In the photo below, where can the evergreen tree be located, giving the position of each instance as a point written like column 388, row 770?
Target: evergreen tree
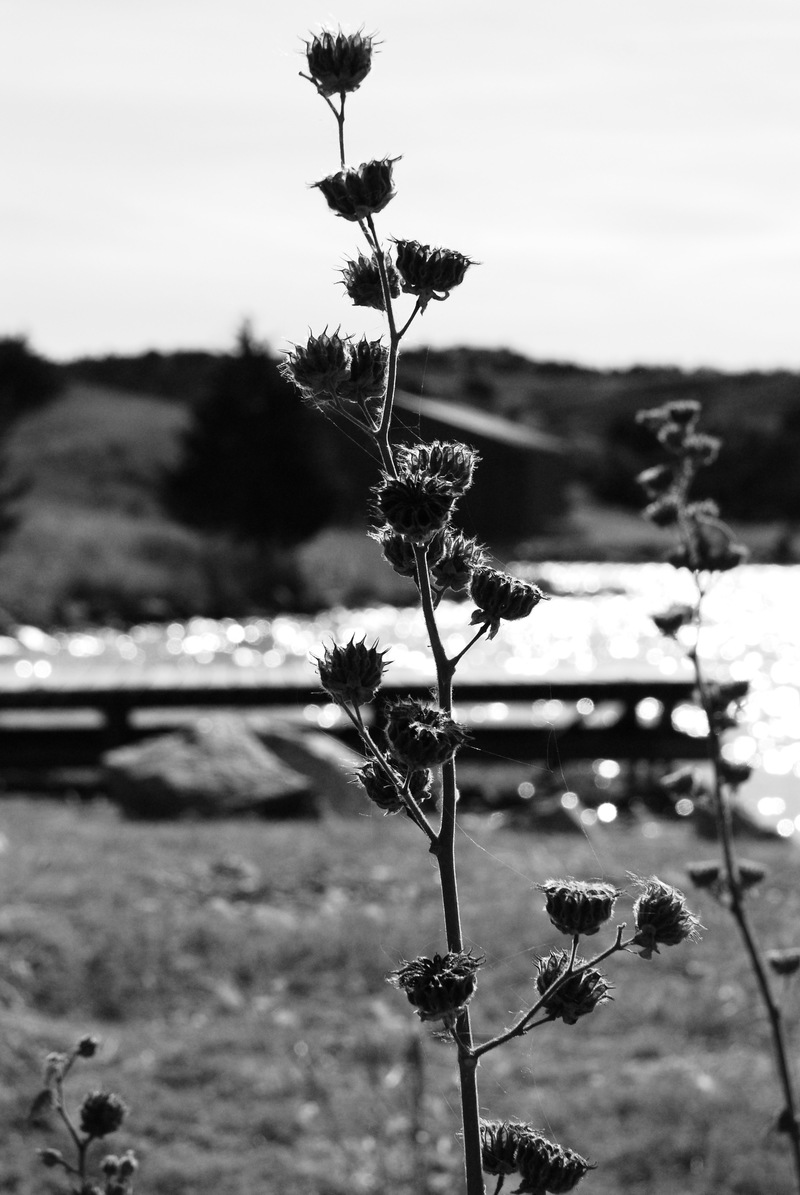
column 250, row 465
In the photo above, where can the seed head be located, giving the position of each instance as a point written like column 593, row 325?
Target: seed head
column 366, row 379
column 320, row 369
column 128, row 1164
column 681, row 783
column 578, row 906
column 362, row 281
column 398, row 551
column 711, row 550
column 101, row 1113
column 701, row 449
column 684, row 412
column 339, row 62
column 439, row 988
column 498, row 595
column 499, row 1142
column 661, row 917
column 352, row 673
column 110, row 1165
column 429, row 273
column 734, row 774
column 460, row 557
column 450, row 462
column 578, row 995
column 705, row 874
column 546, row 1166
column 415, row 507
column 663, row 512
column 384, row 791
column 420, row 736
column 359, row 191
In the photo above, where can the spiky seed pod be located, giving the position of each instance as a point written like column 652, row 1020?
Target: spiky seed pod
column 499, row 1141
column 369, row 361
column 362, row 281
column 352, row 673
column 384, row 791
column 661, row 917
column 460, row 557
column 398, row 551
column 439, row 988
column 704, row 874
column 429, row 273
column 670, row 621
column 684, row 411
column 657, row 480
column 701, row 449
column 498, row 595
column 784, row 962
column 339, row 62
column 446, row 460
column 420, row 736
column 101, row 1113
column 578, row 995
column 663, row 512
column 359, row 191
column 414, row 507
column 320, row 368
column 578, row 906
column 546, row 1166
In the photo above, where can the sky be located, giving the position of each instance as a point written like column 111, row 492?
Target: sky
column 626, row 172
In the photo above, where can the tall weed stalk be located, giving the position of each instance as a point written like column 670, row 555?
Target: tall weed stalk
column 410, row 764
column 706, row 546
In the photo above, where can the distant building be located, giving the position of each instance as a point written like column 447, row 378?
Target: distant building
column 521, row 482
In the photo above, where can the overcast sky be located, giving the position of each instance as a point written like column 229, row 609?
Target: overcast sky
column 626, row 171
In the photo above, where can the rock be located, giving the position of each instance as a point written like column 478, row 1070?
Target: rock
column 215, row 767
column 327, row 764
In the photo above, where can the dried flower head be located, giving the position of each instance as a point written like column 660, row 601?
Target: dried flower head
column 578, row 994
column 461, row 555
column 339, row 62
column 51, row 1158
column 439, row 988
column 359, row 191
column 414, row 506
column 546, row 1166
column 429, row 273
column 320, row 368
column 448, row 461
column 661, row 917
column 352, row 673
column 362, row 281
column 101, row 1113
column 366, row 380
column 87, row 1046
column 663, row 512
column 578, row 906
column 420, row 736
column 711, row 550
column 701, row 449
column 498, row 595
column 398, row 551
column 684, row 411
column 385, row 790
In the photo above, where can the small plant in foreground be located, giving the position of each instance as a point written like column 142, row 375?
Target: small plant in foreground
column 706, row 546
column 416, row 493
column 99, row 1115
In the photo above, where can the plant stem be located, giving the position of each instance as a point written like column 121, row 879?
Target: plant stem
column 724, row 823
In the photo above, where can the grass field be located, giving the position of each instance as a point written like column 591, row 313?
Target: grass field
column 235, row 972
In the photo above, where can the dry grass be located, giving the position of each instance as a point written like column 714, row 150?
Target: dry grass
column 247, row 1022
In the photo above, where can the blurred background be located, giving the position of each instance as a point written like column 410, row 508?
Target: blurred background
column 627, row 177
